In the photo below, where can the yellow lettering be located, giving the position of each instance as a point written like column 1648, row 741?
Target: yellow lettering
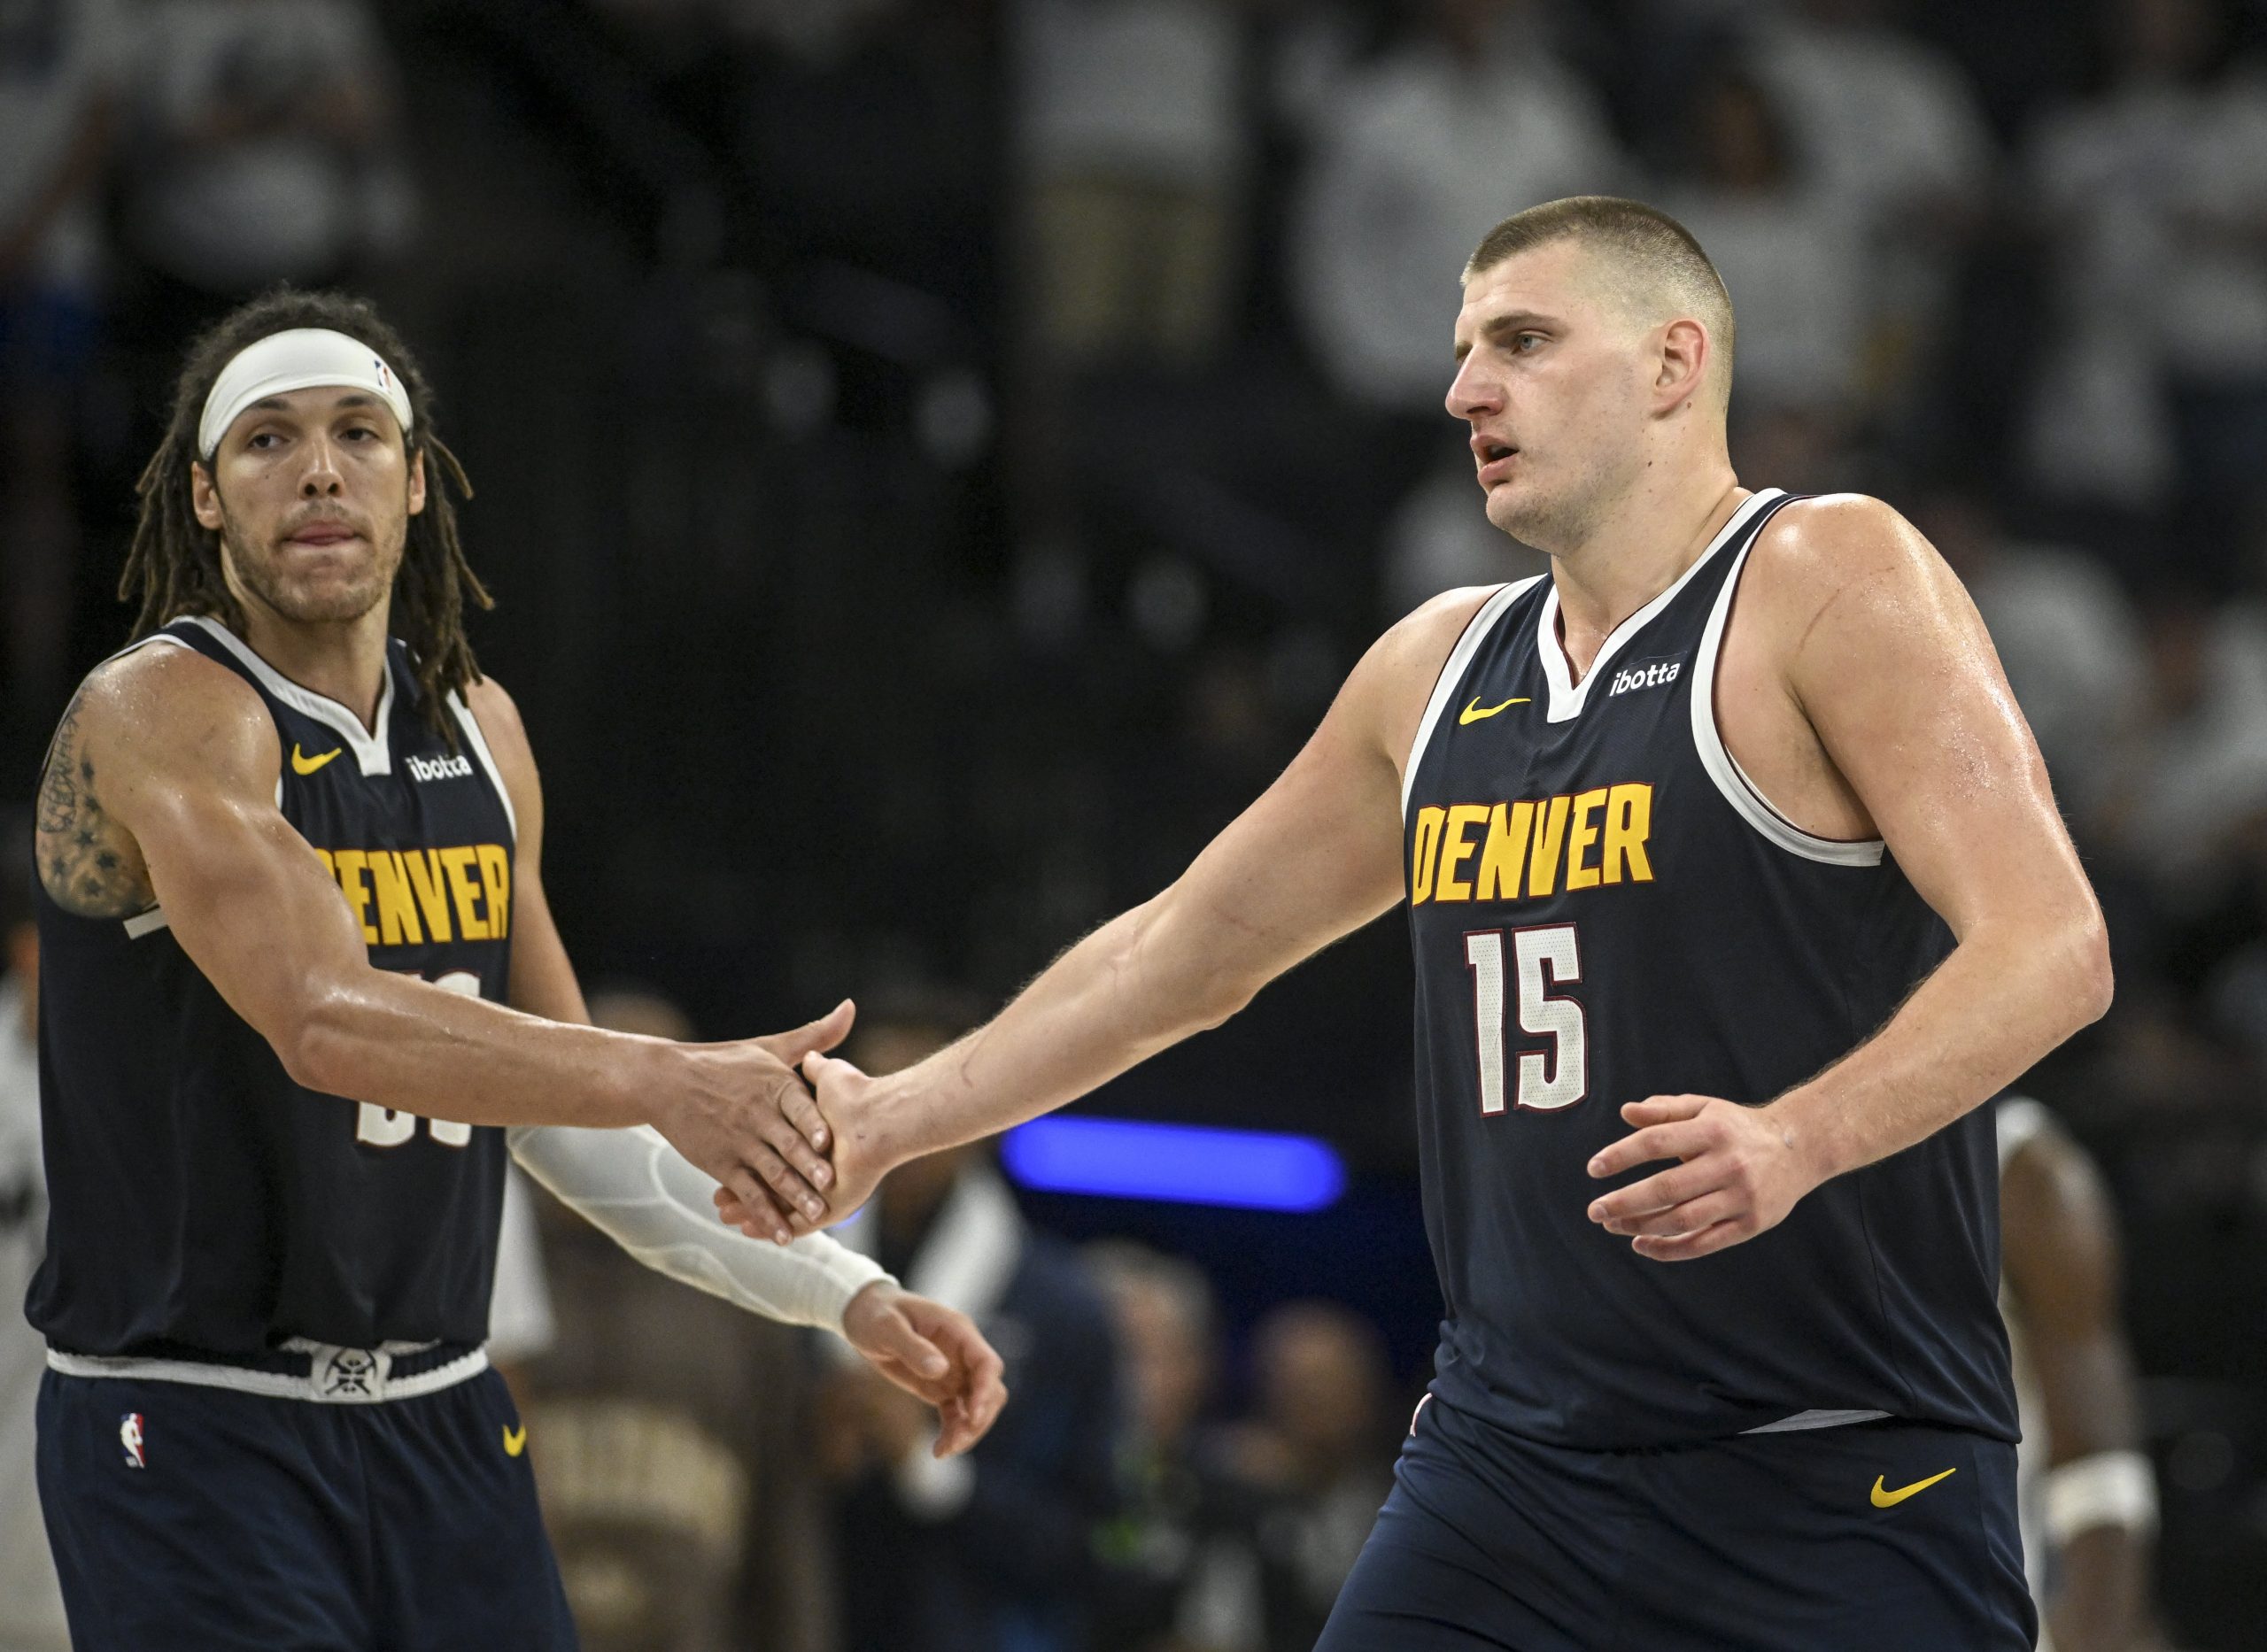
column 1504, row 857
column 1582, row 835
column 351, row 864
column 1456, row 849
column 495, row 879
column 1629, row 822
column 425, row 869
column 1542, row 858
column 456, row 863
column 1421, row 863
column 396, row 907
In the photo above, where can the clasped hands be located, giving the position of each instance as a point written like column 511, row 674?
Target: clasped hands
column 783, row 1172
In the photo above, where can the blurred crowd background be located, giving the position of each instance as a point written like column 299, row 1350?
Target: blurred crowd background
column 935, row 460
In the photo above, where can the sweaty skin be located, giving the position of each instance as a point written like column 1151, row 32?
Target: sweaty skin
column 1857, row 687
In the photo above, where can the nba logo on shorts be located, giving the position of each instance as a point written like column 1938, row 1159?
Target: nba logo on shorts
column 130, row 1435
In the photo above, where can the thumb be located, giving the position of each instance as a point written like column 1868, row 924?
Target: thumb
column 823, row 1034
column 894, row 1337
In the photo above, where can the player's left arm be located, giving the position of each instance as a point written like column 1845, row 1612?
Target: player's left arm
column 639, row 1192
column 1883, row 655
column 2058, row 1243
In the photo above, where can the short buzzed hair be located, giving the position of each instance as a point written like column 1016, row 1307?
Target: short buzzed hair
column 1651, row 255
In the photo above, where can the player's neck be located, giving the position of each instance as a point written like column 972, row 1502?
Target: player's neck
column 340, row 660
column 1634, row 552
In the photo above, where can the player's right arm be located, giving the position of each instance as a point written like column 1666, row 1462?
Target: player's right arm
column 2059, row 1242
column 161, row 786
column 1317, row 856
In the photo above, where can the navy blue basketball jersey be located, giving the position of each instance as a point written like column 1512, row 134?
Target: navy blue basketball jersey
column 200, row 1202
column 1604, row 908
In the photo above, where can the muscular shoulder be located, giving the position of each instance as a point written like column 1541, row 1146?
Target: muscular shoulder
column 500, row 725
column 150, row 723
column 1844, row 577
column 498, row 715
column 1396, row 676
column 1818, row 550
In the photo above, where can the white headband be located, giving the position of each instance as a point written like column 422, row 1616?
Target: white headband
column 298, row 360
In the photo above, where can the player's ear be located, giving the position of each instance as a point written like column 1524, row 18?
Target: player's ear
column 1681, row 363
column 416, row 481
column 204, row 496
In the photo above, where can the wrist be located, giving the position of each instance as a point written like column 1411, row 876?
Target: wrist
column 649, row 1084
column 1798, row 1119
column 862, row 1304
column 889, row 1128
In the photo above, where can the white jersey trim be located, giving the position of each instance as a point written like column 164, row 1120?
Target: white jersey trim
column 1567, row 697
column 1802, row 1421
column 1746, row 797
column 147, row 922
column 479, row 743
column 374, row 753
column 366, row 1380
column 1476, row 632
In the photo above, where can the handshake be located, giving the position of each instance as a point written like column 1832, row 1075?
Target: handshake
column 791, row 1157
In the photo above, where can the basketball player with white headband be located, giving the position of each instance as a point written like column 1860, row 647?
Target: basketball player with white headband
column 302, row 992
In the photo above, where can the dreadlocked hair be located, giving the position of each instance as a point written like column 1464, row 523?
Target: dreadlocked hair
column 173, row 567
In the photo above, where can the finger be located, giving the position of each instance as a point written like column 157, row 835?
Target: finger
column 1662, row 1109
column 984, row 1408
column 800, row 1107
column 791, row 1195
column 1689, row 1217
column 952, row 1429
column 761, row 1218
column 1659, row 1190
column 823, row 1034
column 1716, row 1237
column 1686, row 1138
column 790, row 1137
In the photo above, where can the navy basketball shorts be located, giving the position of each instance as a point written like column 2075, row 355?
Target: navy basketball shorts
column 203, row 1519
column 1874, row 1537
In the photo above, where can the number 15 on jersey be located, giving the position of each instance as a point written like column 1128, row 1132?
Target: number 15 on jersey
column 1541, row 958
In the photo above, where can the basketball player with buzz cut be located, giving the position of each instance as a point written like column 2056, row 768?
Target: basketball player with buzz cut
column 1735, row 886
column 301, row 993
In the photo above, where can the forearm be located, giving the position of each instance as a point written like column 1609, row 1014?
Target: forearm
column 2101, row 1604
column 637, row 1190
column 1989, row 1012
column 1124, row 992
column 407, row 1045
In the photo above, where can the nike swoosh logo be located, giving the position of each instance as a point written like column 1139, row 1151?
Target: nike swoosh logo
column 514, row 1441
column 1890, row 1500
column 1474, row 712
column 302, row 764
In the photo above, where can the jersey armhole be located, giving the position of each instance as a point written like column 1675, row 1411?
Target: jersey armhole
column 479, row 741
column 1746, row 797
column 1452, row 670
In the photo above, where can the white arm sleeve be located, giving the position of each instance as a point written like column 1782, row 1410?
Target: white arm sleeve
column 637, row 1190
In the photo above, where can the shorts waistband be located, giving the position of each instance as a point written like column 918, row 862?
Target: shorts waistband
column 322, row 1372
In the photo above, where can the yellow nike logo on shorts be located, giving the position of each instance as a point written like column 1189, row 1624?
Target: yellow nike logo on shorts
column 302, row 764
column 516, row 1440
column 1473, row 713
column 1890, row 1500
